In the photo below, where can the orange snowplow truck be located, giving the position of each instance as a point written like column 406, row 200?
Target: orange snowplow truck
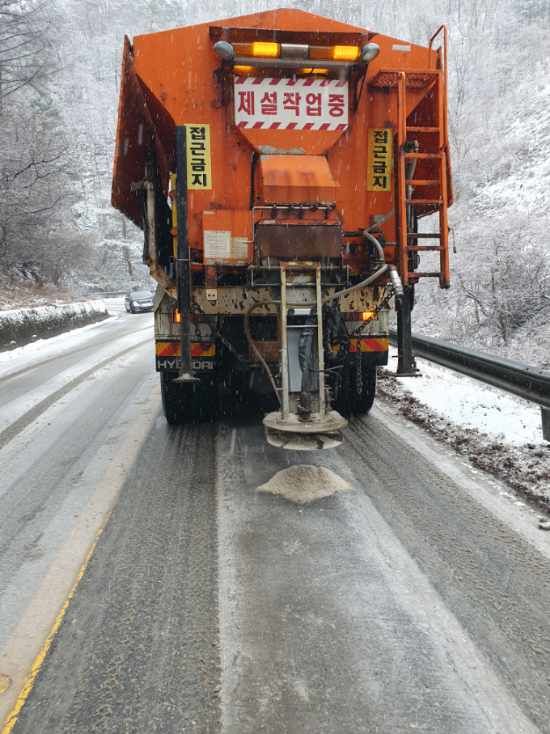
column 279, row 164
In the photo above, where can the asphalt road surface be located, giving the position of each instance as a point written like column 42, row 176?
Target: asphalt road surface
column 417, row 601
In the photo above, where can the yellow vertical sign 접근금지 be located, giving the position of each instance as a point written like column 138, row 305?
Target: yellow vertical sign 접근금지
column 380, row 158
column 199, row 161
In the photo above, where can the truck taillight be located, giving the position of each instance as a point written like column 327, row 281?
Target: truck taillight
column 368, row 315
column 365, row 316
column 323, row 72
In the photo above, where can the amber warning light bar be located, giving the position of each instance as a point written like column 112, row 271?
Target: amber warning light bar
column 293, row 55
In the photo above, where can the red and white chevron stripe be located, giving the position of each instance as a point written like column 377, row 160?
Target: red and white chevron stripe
column 291, row 126
column 272, row 82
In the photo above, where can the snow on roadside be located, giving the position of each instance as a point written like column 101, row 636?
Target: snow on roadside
column 44, row 313
column 457, row 414
column 40, row 349
column 20, row 326
column 472, row 404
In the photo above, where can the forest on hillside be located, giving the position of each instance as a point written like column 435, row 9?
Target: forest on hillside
column 59, row 77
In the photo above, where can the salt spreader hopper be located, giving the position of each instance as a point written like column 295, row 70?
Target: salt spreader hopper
column 279, row 165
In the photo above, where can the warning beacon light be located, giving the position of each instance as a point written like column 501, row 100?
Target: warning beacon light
column 291, row 54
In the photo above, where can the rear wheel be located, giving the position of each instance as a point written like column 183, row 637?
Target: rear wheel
column 356, row 388
column 174, row 403
column 187, row 402
column 364, row 389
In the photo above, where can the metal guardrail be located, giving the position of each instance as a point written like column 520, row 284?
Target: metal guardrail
column 529, row 383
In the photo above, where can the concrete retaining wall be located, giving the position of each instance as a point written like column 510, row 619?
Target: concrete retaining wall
column 23, row 325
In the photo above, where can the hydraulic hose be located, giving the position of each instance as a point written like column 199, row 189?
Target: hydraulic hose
column 372, row 239
column 394, row 275
column 362, row 284
column 396, row 283
column 255, row 349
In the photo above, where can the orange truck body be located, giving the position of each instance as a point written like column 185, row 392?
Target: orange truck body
column 287, row 162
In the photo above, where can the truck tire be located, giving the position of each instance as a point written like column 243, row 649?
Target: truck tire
column 174, row 403
column 354, row 396
column 362, row 401
column 341, row 401
column 181, row 403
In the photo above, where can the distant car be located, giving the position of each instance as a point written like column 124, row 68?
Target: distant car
column 137, row 301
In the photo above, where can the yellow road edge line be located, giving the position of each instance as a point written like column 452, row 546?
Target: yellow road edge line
column 30, row 679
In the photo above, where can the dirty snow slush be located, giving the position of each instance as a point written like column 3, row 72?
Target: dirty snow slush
column 524, row 468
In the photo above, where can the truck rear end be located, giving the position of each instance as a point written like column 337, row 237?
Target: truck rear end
column 279, row 164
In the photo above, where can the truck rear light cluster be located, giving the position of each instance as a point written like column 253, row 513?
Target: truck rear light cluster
column 368, row 315
column 310, row 70
column 360, row 315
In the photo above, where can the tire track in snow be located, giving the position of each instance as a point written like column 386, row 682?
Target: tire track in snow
column 24, row 420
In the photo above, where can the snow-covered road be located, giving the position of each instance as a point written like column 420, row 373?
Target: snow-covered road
column 36, row 375
column 156, row 589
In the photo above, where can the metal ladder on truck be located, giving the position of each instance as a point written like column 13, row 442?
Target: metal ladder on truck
column 303, row 420
column 437, row 155
column 433, row 158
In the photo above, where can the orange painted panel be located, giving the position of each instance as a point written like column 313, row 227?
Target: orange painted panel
column 295, row 179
